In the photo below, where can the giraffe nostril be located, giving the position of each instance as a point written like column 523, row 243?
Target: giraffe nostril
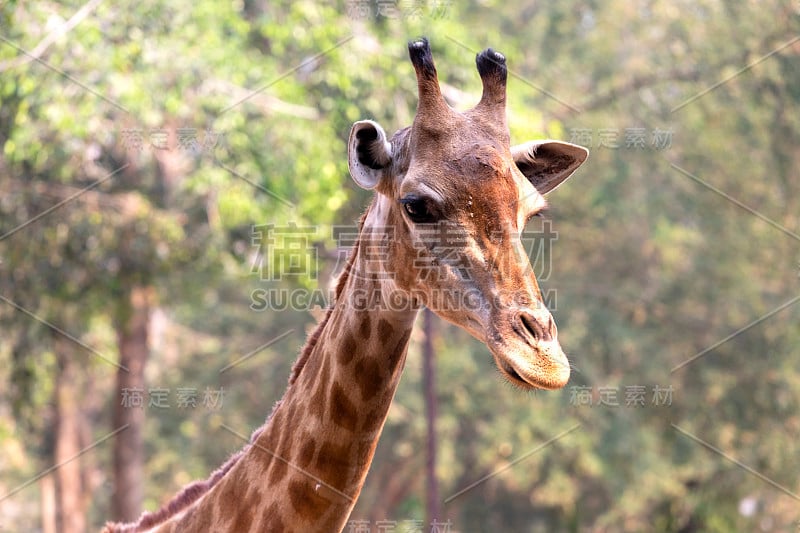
column 551, row 327
column 535, row 329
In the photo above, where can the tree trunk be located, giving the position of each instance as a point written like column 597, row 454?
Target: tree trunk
column 433, row 509
column 396, row 481
column 70, row 510
column 47, row 490
column 132, row 324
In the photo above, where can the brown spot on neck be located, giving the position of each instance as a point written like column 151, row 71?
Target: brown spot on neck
column 385, row 329
column 347, row 350
column 368, row 378
column 307, row 450
column 308, row 503
column 399, row 351
column 343, row 411
column 365, row 329
column 271, row 520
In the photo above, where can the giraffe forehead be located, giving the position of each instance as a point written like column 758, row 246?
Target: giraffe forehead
column 480, row 168
column 481, row 183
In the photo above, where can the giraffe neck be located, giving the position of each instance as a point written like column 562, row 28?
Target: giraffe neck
column 305, row 468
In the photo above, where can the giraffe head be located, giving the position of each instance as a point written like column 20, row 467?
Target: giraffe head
column 452, row 198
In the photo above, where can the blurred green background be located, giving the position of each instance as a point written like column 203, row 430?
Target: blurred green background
column 142, row 144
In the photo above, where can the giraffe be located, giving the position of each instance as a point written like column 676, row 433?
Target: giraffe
column 451, row 197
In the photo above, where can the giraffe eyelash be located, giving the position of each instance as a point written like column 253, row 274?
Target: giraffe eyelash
column 541, row 213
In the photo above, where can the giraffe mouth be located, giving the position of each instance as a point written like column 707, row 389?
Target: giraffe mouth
column 546, row 369
column 513, row 374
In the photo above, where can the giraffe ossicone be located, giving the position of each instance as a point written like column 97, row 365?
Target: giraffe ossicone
column 452, row 197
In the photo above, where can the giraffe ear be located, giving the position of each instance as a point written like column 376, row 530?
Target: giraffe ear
column 369, row 153
column 547, row 164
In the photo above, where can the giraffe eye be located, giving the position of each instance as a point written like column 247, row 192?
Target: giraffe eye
column 541, row 213
column 417, row 210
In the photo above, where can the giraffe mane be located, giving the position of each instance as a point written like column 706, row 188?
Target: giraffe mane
column 311, row 342
column 195, row 490
column 187, row 496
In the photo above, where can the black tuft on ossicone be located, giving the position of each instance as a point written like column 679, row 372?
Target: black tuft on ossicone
column 491, row 63
column 421, row 56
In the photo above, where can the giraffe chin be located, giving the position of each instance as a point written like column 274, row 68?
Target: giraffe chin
column 546, row 368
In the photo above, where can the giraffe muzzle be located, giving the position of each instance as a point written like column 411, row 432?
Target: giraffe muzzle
column 530, row 356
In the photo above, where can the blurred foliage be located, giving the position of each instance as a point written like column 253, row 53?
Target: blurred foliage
column 243, row 111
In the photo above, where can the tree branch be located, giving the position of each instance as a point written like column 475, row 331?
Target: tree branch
column 51, row 37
